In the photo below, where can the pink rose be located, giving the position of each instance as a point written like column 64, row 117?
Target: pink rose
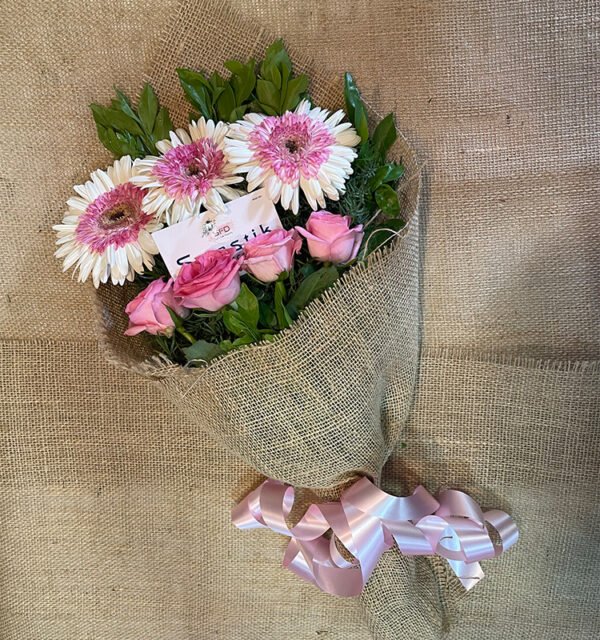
column 330, row 238
column 271, row 253
column 148, row 310
column 210, row 282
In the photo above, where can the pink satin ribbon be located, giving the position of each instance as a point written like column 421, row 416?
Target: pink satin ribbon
column 367, row 521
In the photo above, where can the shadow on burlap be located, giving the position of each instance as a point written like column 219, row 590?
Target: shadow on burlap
column 115, row 508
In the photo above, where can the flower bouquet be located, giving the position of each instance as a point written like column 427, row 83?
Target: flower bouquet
column 244, row 272
column 260, row 264
column 282, row 312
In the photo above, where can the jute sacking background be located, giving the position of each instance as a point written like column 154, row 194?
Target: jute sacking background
column 115, row 508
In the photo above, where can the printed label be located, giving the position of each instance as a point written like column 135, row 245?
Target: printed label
column 245, row 218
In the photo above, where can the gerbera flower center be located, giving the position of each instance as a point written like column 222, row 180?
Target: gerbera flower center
column 190, row 170
column 114, row 218
column 293, row 145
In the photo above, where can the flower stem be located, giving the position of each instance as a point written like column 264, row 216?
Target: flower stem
column 186, row 335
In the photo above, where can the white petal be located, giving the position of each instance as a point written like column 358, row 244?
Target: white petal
column 146, row 242
column 163, row 146
column 77, row 203
column 256, row 118
column 348, row 138
column 303, row 106
column 228, row 193
column 335, row 118
column 85, row 268
column 274, row 185
column 286, row 195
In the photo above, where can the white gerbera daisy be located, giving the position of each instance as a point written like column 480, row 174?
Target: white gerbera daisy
column 193, row 171
column 307, row 150
column 105, row 232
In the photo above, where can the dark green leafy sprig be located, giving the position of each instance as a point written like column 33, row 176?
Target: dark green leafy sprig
column 217, row 98
column 371, row 187
column 277, row 89
column 273, row 90
column 125, row 130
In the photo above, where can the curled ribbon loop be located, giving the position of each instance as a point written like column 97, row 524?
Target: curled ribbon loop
column 367, row 522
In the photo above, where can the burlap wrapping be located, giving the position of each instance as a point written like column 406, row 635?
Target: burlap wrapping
column 114, row 508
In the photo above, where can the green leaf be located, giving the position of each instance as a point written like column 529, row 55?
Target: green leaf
column 202, row 350
column 119, row 120
column 243, row 79
column 283, row 317
column 216, row 80
column 238, row 113
column 295, row 90
column 148, row 108
column 108, row 140
column 307, row 269
column 124, row 105
column 384, row 135
column 197, row 90
column 355, row 108
column 226, row 103
column 312, row 287
column 177, row 321
column 387, row 201
column 276, row 64
column 100, row 115
column 379, row 236
column 268, row 94
column 266, row 316
column 228, row 345
column 277, row 89
column 215, row 95
column 386, row 173
column 247, row 306
column 234, row 323
column 162, row 125
column 120, row 127
column 120, row 144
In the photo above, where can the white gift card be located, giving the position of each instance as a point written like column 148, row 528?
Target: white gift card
column 244, row 218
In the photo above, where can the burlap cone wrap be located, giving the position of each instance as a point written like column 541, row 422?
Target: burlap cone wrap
column 324, row 403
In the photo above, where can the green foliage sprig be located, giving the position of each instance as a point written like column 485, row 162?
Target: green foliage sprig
column 371, row 189
column 126, row 130
column 272, row 89
column 217, row 98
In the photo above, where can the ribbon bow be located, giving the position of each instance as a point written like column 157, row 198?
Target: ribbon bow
column 367, row 522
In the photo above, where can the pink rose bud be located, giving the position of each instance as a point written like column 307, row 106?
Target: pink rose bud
column 148, row 310
column 271, row 253
column 210, row 282
column 330, row 238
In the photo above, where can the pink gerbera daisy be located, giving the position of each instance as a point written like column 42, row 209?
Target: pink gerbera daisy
column 193, row 171
column 307, row 150
column 105, row 233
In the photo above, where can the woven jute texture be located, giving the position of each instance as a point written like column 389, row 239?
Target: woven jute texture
column 114, row 506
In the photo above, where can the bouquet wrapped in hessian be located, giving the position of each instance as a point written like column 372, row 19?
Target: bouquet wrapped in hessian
column 260, row 263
